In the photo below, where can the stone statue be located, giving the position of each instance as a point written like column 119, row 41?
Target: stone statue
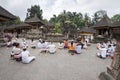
column 113, row 71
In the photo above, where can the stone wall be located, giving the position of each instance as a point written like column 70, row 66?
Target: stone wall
column 54, row 38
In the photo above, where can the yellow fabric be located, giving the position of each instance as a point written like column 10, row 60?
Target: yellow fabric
column 71, row 47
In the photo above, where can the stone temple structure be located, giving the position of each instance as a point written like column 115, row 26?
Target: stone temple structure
column 113, row 70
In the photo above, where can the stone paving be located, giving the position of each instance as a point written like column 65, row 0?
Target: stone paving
column 59, row 66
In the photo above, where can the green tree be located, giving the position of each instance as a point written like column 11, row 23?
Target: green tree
column 116, row 17
column 98, row 16
column 10, row 22
column 87, row 20
column 34, row 10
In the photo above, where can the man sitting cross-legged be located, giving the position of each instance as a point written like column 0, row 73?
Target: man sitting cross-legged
column 26, row 58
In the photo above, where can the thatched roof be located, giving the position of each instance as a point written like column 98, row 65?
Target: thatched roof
column 48, row 24
column 34, row 20
column 115, row 24
column 5, row 15
column 17, row 26
column 87, row 29
column 103, row 23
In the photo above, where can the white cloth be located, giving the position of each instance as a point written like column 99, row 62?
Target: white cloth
column 26, row 57
column 39, row 45
column 52, row 48
column 60, row 45
column 16, row 51
column 78, row 48
column 32, row 44
column 24, row 44
column 103, row 52
column 85, row 45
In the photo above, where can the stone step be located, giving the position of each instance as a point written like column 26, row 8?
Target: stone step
column 105, row 76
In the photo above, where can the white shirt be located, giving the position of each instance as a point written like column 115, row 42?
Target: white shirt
column 78, row 48
column 103, row 52
column 51, row 48
column 25, row 56
column 16, row 51
column 109, row 50
column 85, row 45
column 32, row 44
column 39, row 45
column 24, row 44
column 60, row 45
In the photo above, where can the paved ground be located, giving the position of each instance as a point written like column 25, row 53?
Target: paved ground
column 59, row 66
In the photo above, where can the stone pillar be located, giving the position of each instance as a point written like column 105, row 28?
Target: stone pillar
column 113, row 70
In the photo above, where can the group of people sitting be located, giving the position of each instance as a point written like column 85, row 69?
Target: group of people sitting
column 45, row 46
column 106, row 49
column 75, row 48
column 20, row 52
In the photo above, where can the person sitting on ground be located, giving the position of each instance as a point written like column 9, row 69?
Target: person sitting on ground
column 9, row 44
column 46, row 43
column 60, row 45
column 14, row 40
column 44, row 47
column 39, row 44
column 16, row 52
column 102, row 53
column 26, row 58
column 52, row 48
column 78, row 48
column 109, row 50
column 72, row 48
column 24, row 43
column 32, row 44
column 98, row 45
column 113, row 50
column 85, row 45
column 66, row 43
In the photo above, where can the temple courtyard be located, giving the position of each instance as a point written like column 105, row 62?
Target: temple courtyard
column 58, row 66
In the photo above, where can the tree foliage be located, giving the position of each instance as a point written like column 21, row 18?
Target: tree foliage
column 98, row 16
column 34, row 10
column 10, row 22
column 116, row 17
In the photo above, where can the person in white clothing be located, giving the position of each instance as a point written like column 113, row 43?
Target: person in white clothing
column 109, row 50
column 60, row 45
column 102, row 53
column 39, row 44
column 78, row 48
column 44, row 47
column 16, row 52
column 24, row 43
column 85, row 45
column 32, row 44
column 26, row 58
column 52, row 48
